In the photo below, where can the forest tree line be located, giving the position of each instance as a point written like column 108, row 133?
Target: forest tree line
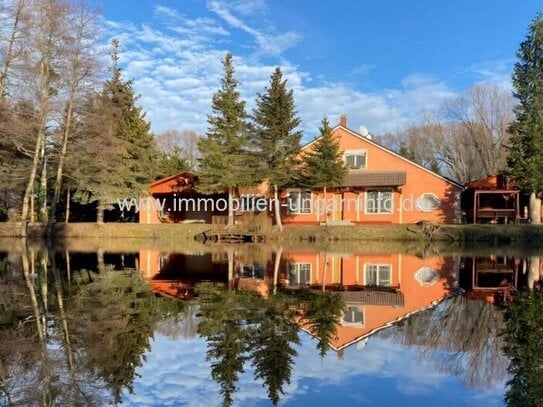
column 71, row 129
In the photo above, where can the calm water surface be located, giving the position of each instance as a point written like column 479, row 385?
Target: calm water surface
column 145, row 324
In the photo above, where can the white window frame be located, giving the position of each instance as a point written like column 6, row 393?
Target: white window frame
column 379, row 210
column 298, row 268
column 356, row 152
column 299, row 192
column 425, row 195
column 347, row 323
column 378, row 276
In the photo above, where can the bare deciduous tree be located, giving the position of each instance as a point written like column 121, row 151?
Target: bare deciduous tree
column 184, row 143
column 484, row 114
column 80, row 67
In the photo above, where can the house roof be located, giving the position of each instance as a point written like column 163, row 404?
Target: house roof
column 373, row 143
column 372, row 297
column 380, row 178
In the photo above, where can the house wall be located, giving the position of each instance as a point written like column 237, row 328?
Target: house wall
column 418, row 182
column 417, row 296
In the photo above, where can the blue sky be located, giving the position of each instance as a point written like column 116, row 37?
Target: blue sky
column 381, row 373
column 381, row 62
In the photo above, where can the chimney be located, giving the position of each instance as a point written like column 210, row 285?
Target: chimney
column 343, row 120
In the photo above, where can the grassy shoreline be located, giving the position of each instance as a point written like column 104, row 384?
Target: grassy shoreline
column 492, row 234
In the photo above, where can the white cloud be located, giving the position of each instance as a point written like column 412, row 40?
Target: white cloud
column 175, row 62
column 269, row 43
column 176, row 373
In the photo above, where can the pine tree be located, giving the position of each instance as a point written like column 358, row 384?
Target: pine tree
column 526, row 145
column 324, row 166
column 277, row 142
column 272, row 339
column 224, row 163
column 116, row 149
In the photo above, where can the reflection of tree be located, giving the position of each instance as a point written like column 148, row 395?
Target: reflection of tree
column 524, row 346
column 114, row 318
column 181, row 326
column 96, row 331
column 240, row 326
column 461, row 336
column 223, row 325
column 272, row 337
column 322, row 315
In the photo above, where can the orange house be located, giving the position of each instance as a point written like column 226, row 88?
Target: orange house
column 380, row 187
column 378, row 289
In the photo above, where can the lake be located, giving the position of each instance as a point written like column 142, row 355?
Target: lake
column 90, row 322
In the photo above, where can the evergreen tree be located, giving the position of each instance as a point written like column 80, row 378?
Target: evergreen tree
column 223, row 327
column 116, row 148
column 324, row 166
column 224, row 163
column 276, row 139
column 524, row 346
column 526, row 144
column 271, row 343
column 323, row 316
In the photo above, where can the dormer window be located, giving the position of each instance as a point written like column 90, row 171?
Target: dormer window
column 355, row 160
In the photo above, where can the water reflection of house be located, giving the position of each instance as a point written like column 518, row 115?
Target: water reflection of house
column 176, row 274
column 494, row 278
column 378, row 289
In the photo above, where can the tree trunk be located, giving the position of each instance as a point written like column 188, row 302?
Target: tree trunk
column 43, row 183
column 230, row 253
column 533, row 271
column 100, row 261
column 277, row 208
column 325, row 208
column 230, row 207
column 31, row 180
column 276, row 266
column 60, row 166
column 100, row 213
column 32, row 207
column 68, row 198
column 535, row 209
column 324, row 272
column 10, row 55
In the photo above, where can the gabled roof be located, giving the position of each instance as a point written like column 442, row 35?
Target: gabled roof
column 184, row 174
column 379, row 146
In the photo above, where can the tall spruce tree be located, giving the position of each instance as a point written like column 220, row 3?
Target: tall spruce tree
column 526, row 145
column 117, row 150
column 276, row 137
column 224, row 163
column 324, row 166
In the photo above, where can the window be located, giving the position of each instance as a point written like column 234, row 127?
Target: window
column 353, row 316
column 355, row 160
column 427, row 203
column 426, row 276
column 299, row 274
column 299, row 201
column 377, row 275
column 379, row 201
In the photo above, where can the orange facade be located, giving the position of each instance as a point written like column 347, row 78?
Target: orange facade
column 380, row 187
column 378, row 289
column 413, row 193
